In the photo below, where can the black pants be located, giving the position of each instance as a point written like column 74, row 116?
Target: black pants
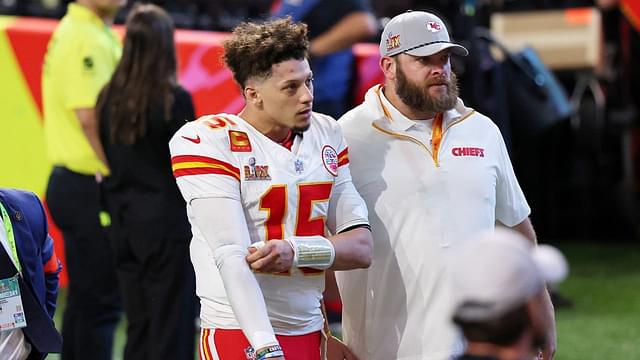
column 93, row 305
column 156, row 278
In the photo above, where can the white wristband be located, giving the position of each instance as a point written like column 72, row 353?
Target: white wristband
column 312, row 251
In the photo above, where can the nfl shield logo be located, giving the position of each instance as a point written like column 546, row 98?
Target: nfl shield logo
column 299, row 166
column 250, row 353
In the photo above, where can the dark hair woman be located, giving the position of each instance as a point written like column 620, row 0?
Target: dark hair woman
column 139, row 110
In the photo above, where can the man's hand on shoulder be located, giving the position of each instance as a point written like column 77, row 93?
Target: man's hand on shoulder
column 272, row 256
column 337, row 350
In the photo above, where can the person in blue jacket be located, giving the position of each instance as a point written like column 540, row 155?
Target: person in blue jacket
column 334, row 27
column 27, row 256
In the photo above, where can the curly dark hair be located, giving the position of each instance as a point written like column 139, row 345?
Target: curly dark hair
column 254, row 47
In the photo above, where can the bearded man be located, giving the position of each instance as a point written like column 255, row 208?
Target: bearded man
column 434, row 173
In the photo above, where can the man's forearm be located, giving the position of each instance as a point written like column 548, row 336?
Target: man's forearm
column 89, row 125
column 354, row 249
column 526, row 229
column 227, row 236
column 352, row 28
column 547, row 312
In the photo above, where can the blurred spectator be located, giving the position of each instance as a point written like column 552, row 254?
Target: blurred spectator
column 139, row 110
column 224, row 15
column 621, row 74
column 28, row 262
column 82, row 54
column 498, row 285
column 220, row 15
column 621, row 27
column 334, row 26
column 43, row 8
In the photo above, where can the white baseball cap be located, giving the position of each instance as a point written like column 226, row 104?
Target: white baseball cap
column 501, row 271
column 417, row 33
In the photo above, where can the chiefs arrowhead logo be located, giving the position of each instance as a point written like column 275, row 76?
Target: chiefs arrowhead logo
column 433, row 26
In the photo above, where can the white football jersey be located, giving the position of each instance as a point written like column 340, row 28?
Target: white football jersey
column 283, row 193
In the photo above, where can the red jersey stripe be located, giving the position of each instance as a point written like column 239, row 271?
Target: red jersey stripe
column 205, row 170
column 343, row 157
column 204, row 159
column 196, row 165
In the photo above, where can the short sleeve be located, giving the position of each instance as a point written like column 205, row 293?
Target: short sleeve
column 344, row 175
column 203, row 164
column 511, row 204
column 346, row 207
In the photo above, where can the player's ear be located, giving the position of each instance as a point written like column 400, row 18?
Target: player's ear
column 252, row 96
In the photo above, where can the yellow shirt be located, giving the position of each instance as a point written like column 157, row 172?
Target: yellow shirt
column 82, row 54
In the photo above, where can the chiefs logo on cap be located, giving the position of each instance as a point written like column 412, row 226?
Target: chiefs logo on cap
column 433, row 26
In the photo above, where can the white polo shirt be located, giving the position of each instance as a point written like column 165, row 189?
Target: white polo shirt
column 421, row 207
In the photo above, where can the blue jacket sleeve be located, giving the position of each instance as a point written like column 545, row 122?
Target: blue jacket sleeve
column 51, row 264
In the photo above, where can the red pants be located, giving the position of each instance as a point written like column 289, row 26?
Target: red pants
column 231, row 344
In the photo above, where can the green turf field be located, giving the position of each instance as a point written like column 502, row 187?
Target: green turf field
column 604, row 284
column 604, row 321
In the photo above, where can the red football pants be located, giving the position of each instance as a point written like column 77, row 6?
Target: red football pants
column 231, row 344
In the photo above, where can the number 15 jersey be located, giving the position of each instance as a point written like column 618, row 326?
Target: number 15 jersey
column 304, row 191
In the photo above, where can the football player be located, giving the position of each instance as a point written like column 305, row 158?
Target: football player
column 271, row 203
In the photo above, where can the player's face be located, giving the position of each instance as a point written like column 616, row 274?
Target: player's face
column 287, row 95
column 426, row 83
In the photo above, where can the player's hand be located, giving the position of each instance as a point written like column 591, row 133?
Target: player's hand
column 337, row 350
column 273, row 256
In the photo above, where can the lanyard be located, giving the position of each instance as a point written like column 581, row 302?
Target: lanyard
column 436, row 135
column 11, row 239
column 436, row 131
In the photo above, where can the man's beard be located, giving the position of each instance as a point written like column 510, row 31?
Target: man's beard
column 418, row 98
